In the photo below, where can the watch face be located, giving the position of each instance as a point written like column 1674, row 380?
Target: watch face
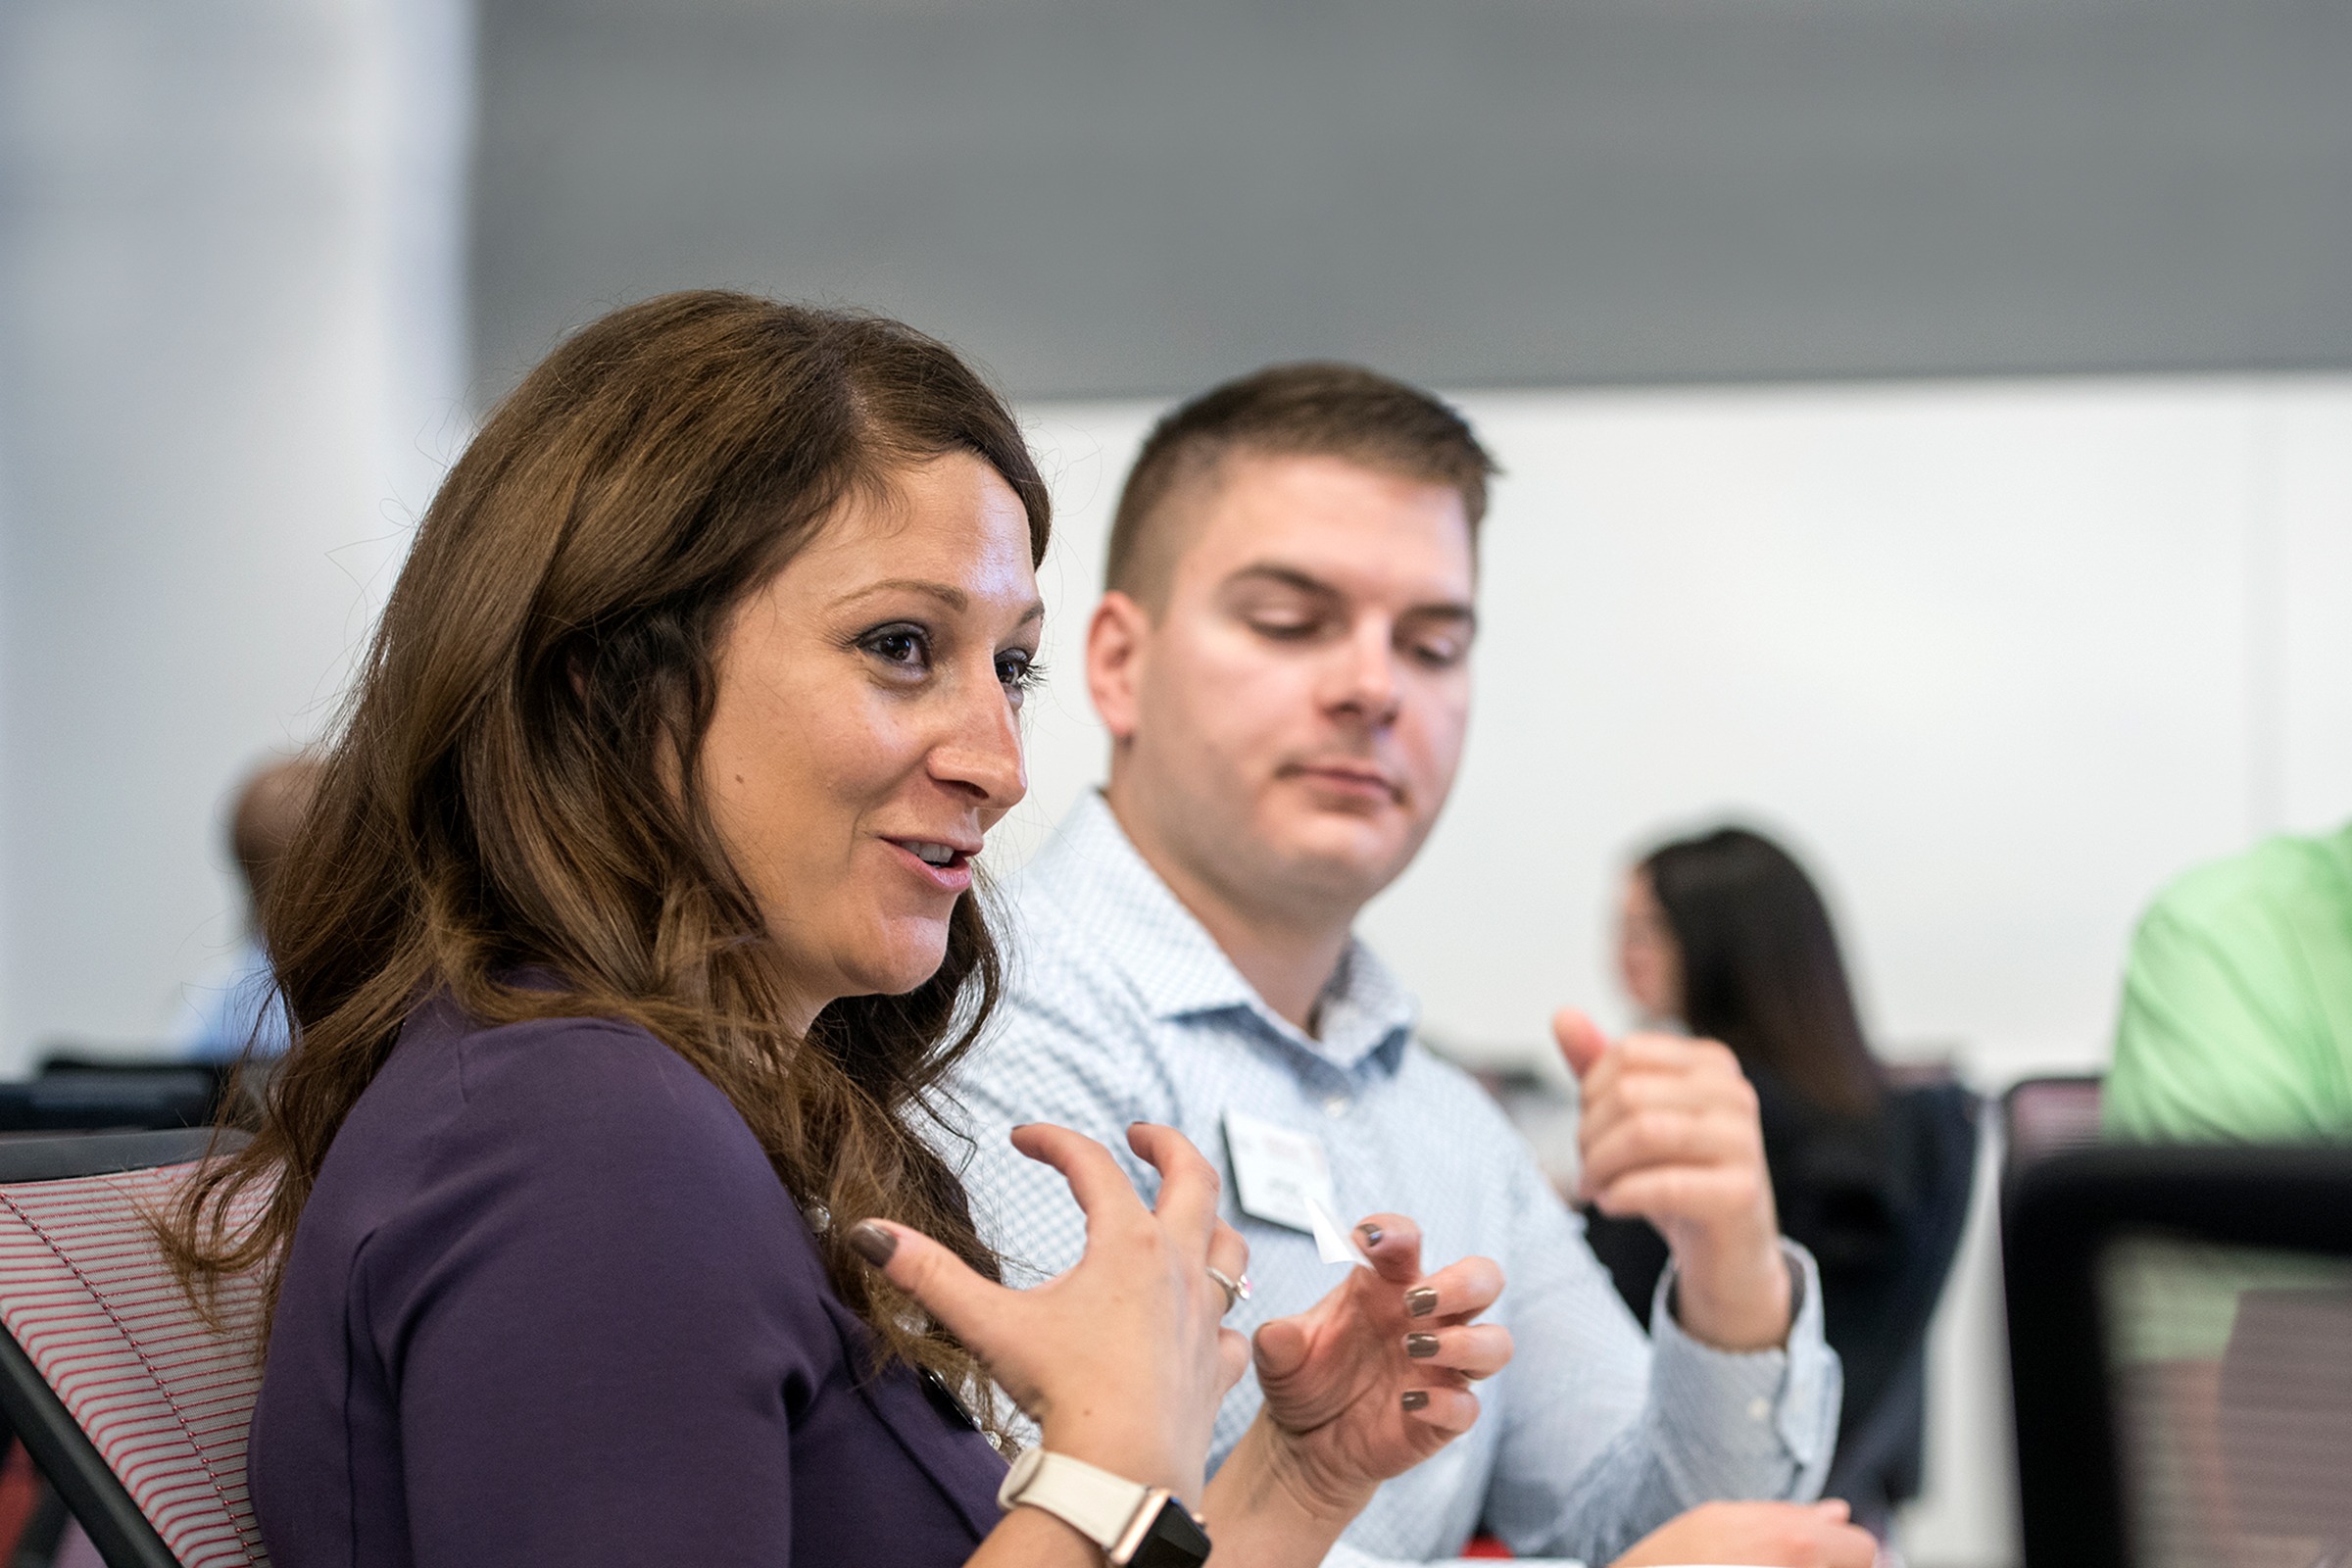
column 1174, row 1541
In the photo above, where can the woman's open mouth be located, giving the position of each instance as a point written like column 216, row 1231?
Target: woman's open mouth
column 947, row 865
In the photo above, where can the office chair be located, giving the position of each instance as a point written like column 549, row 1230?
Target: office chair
column 132, row 1406
column 87, row 1094
column 2046, row 1117
column 2180, row 1346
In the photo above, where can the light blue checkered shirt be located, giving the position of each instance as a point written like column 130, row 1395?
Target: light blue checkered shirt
column 1122, row 1009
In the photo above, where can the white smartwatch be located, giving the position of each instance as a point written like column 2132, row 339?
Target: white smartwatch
column 1136, row 1526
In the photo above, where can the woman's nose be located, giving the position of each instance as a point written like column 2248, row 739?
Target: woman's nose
column 982, row 752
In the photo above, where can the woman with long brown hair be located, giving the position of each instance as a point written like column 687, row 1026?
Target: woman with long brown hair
column 1723, row 935
column 625, row 947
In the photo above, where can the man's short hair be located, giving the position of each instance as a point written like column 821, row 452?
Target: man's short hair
column 1286, row 410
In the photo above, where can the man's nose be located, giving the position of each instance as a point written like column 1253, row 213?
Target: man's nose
column 1364, row 674
column 982, row 749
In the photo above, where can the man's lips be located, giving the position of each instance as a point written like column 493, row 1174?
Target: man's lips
column 1352, row 778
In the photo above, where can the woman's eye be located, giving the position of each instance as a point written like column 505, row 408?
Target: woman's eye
column 1018, row 671
column 898, row 645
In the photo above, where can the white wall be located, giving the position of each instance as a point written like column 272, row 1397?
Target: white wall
column 231, row 333
column 2000, row 659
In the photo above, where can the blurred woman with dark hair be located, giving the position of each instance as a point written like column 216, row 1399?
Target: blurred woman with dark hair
column 625, row 945
column 1722, row 936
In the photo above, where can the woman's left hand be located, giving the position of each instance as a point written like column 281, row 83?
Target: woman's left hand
column 1376, row 1377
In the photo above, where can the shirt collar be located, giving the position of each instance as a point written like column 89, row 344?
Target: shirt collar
column 1092, row 873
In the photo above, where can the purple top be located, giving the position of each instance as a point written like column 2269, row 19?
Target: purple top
column 549, row 1304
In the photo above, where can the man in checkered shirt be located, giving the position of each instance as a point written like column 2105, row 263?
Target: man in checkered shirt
column 1282, row 661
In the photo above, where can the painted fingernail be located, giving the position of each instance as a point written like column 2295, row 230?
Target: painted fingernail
column 1420, row 1347
column 1371, row 1233
column 873, row 1243
column 1420, row 1301
column 1414, row 1399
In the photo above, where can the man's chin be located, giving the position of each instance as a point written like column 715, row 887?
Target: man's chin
column 1339, row 856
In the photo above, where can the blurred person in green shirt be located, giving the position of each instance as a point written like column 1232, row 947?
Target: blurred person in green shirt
column 2236, row 1021
column 2235, row 1027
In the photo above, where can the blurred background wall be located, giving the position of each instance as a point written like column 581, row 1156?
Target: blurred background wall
column 232, row 317
column 1929, row 422
column 1121, row 197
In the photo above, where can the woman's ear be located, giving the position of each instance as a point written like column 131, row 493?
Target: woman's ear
column 1118, row 639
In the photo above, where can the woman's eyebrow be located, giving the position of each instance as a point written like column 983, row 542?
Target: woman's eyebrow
column 947, row 594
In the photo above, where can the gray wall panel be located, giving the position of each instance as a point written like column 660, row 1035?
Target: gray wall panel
column 1115, row 196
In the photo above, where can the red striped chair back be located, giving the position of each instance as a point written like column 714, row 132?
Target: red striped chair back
column 161, row 1395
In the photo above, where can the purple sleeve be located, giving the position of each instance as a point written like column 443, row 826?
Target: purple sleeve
column 601, row 1319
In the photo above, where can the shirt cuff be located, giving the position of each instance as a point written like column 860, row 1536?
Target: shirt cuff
column 1744, row 1414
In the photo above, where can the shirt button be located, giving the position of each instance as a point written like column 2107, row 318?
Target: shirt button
column 1336, row 1105
column 1759, row 1409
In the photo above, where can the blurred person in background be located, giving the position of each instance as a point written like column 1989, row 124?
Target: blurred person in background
column 1282, row 658
column 1723, row 936
column 238, row 1006
column 2234, row 1026
column 2236, row 1017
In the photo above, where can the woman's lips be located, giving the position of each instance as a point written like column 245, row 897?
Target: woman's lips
column 953, row 875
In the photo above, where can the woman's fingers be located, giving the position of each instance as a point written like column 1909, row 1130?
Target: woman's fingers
column 1228, row 1253
column 1280, row 1348
column 1188, row 1182
column 1102, row 1188
column 1392, row 1244
column 1457, row 1291
column 1451, row 1411
column 1474, row 1349
column 1233, row 1359
column 973, row 1309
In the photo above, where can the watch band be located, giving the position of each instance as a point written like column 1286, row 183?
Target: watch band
column 1096, row 1504
column 1136, row 1526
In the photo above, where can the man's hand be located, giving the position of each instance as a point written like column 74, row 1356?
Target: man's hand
column 1670, row 1133
column 1770, row 1535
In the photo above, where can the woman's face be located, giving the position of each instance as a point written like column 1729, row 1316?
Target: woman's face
column 865, row 736
column 1647, row 959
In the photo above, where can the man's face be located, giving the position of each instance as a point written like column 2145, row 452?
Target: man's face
column 1290, row 722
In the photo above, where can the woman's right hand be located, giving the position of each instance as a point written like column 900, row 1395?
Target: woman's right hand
column 1123, row 1360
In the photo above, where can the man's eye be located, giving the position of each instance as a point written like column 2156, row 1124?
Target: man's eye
column 1282, row 629
column 1439, row 655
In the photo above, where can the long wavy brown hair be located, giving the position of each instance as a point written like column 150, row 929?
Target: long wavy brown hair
column 510, row 813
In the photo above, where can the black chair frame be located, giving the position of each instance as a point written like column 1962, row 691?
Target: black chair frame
column 64, row 1452
column 2060, row 1215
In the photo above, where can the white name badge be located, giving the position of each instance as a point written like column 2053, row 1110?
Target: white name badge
column 1278, row 1175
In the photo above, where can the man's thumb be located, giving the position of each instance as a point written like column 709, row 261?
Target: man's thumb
column 1581, row 1040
